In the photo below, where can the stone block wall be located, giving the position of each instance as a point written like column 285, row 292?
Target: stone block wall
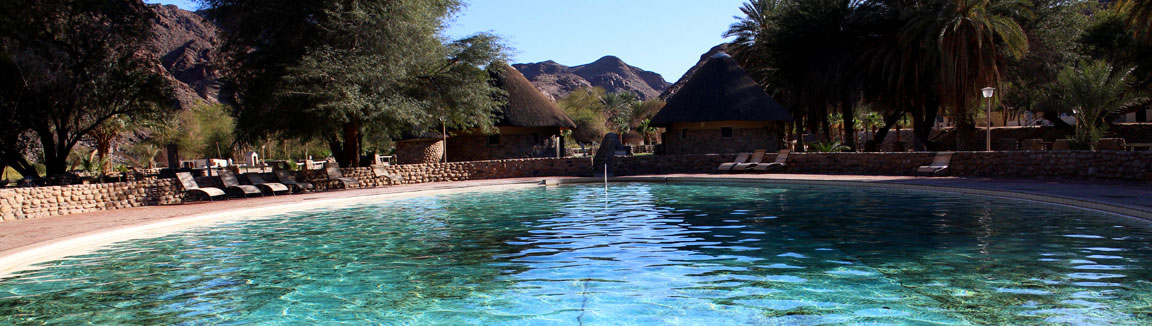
column 697, row 141
column 461, row 171
column 668, row 164
column 419, row 151
column 23, row 203
column 856, row 163
column 476, row 148
column 1100, row 165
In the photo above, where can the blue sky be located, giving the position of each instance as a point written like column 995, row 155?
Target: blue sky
column 665, row 36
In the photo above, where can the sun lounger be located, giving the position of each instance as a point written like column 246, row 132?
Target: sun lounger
column 335, row 175
column 382, row 172
column 939, row 164
column 740, row 158
column 230, row 181
column 270, row 187
column 780, row 163
column 190, row 187
column 285, row 177
column 757, row 157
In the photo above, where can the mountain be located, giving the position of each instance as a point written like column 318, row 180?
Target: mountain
column 187, row 45
column 723, row 47
column 611, row 73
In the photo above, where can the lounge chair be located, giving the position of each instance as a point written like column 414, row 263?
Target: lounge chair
column 230, row 181
column 335, row 175
column 780, row 163
column 190, row 187
column 382, row 172
column 270, row 187
column 740, row 158
column 939, row 164
column 287, row 179
column 757, row 157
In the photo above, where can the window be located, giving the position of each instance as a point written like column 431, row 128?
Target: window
column 683, row 133
column 535, row 138
column 726, row 132
column 493, row 140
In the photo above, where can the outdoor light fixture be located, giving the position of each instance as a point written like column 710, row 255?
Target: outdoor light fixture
column 988, row 92
column 444, row 139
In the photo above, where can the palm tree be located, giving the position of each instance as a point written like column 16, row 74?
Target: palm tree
column 751, row 34
column 646, row 130
column 618, row 109
column 973, row 37
column 805, row 51
column 944, row 53
column 1139, row 13
column 1095, row 93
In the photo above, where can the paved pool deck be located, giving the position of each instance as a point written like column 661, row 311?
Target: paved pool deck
column 1132, row 199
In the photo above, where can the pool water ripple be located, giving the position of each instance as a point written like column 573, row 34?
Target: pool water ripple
column 643, row 254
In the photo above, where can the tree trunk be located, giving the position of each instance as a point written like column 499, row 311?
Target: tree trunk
column 799, row 133
column 55, row 153
column 103, row 146
column 922, row 125
column 889, row 121
column 349, row 156
column 848, row 111
column 826, row 134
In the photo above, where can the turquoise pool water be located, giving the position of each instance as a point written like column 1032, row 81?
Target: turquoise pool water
column 655, row 254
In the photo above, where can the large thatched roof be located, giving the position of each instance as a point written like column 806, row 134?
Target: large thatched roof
column 527, row 107
column 720, row 91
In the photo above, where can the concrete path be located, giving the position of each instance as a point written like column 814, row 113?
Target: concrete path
column 1134, row 199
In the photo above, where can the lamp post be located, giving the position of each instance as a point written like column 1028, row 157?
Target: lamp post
column 988, row 92
column 444, row 139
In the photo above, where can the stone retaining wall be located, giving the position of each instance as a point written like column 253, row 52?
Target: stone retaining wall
column 22, row 203
column 461, row 171
column 1102, row 165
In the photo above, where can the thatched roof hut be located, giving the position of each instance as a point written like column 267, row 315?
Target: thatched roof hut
column 526, row 107
column 720, row 91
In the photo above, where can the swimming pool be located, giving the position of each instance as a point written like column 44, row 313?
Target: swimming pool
column 640, row 254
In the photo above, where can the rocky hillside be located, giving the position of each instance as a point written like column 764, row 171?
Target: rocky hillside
column 610, row 73
column 188, row 47
column 723, row 47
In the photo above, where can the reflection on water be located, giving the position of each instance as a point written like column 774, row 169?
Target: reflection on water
column 649, row 255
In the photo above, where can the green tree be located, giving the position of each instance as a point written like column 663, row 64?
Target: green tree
column 646, row 130
column 336, row 70
column 807, row 52
column 584, row 107
column 973, row 38
column 1053, row 28
column 618, row 110
column 645, row 110
column 1095, row 93
column 68, row 66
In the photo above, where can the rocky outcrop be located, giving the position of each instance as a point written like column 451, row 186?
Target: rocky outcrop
column 611, row 73
column 723, row 47
column 187, row 45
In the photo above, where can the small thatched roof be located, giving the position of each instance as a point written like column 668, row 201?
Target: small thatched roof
column 527, row 107
column 720, row 91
